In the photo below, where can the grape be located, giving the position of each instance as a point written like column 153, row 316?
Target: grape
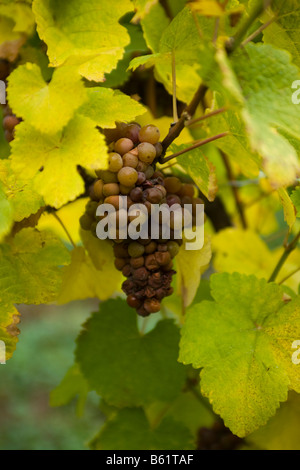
column 147, row 152
column 136, row 194
column 142, row 166
column 152, row 305
column 173, row 248
column 123, row 146
column 130, row 160
column 154, row 195
column 111, row 189
column 146, row 264
column 149, row 172
column 115, row 162
column 173, row 184
column 4, row 69
column 10, row 122
column 132, row 132
column 98, row 190
column 120, row 263
column 135, row 250
column 115, row 201
column 127, row 176
column 137, row 262
column 107, row 176
column 125, row 190
column 187, row 190
column 86, row 222
column 159, row 149
column 133, row 301
column 149, row 134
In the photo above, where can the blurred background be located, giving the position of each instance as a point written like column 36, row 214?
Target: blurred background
column 44, row 354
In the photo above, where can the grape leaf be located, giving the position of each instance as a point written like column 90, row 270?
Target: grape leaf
column 154, row 24
column 288, row 207
column 199, row 168
column 244, row 251
column 53, row 160
column 129, row 429
column 282, row 430
column 46, row 107
column 236, row 144
column 105, row 106
column 81, row 279
column 16, row 21
column 284, row 31
column 6, row 214
column 9, row 319
column 192, row 54
column 242, row 341
column 190, row 265
column 124, row 367
column 21, row 196
column 295, row 197
column 30, row 269
column 73, row 385
column 142, row 8
column 265, row 75
column 95, row 50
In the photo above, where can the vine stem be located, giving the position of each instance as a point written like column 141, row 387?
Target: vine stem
column 178, row 127
column 64, row 227
column 289, row 275
column 206, row 116
column 258, row 31
column 235, row 191
column 175, row 112
column 197, row 144
column 289, row 247
column 237, row 39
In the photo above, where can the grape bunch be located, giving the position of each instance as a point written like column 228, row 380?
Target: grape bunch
column 10, row 120
column 218, row 437
column 146, row 263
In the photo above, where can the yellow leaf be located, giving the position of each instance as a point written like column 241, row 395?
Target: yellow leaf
column 190, row 266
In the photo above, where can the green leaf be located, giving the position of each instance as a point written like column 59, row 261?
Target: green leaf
column 265, row 75
column 193, row 55
column 154, row 24
column 21, row 196
column 129, row 429
column 30, row 270
column 46, row 107
column 6, row 214
column 142, row 8
column 242, row 341
column 190, row 265
column 288, row 207
column 284, row 31
column 295, row 197
column 72, row 386
column 95, row 49
column 16, row 21
column 9, row 319
column 124, row 367
column 105, row 107
column 199, row 168
column 53, row 160
column 236, row 144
